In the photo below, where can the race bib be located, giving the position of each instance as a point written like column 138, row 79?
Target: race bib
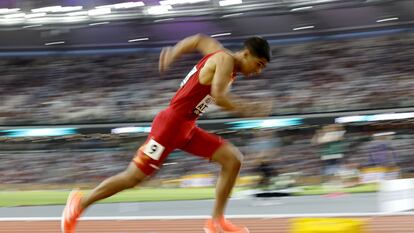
column 203, row 105
column 153, row 149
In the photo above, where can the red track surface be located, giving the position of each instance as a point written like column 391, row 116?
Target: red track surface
column 391, row 224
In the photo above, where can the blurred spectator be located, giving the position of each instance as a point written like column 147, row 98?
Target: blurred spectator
column 263, row 150
column 348, row 174
column 381, row 151
column 330, row 140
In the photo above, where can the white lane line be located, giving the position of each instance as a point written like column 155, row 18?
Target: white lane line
column 190, row 217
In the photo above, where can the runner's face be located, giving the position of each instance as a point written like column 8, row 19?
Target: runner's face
column 253, row 65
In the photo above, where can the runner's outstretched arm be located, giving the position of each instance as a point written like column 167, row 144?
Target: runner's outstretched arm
column 196, row 43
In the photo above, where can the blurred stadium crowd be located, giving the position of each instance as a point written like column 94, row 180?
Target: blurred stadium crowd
column 312, row 77
column 318, row 76
column 89, row 159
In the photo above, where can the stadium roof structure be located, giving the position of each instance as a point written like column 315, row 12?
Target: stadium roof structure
column 78, row 23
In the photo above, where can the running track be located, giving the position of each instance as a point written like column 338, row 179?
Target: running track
column 378, row 224
column 189, row 216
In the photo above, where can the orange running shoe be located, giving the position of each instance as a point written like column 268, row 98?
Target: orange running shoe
column 71, row 212
column 222, row 225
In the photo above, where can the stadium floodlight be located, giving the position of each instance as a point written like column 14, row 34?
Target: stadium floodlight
column 12, row 21
column 98, row 23
column 35, row 15
column 73, row 19
column 127, row 5
column 9, row 10
column 303, row 28
column 55, row 9
column 46, row 9
column 138, row 39
column 164, row 20
column 77, row 13
column 230, row 2
column 33, row 26
column 69, row 8
column 168, row 164
column 177, row 2
column 387, row 19
column 221, row 34
column 17, row 15
column 55, row 43
column 315, row 1
column 159, row 10
column 383, row 134
column 301, row 8
column 100, row 11
column 232, row 15
column 124, row 5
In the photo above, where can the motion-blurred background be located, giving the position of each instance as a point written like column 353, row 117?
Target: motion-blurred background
column 79, row 87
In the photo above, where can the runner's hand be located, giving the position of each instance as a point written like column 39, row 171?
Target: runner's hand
column 259, row 109
column 166, row 59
